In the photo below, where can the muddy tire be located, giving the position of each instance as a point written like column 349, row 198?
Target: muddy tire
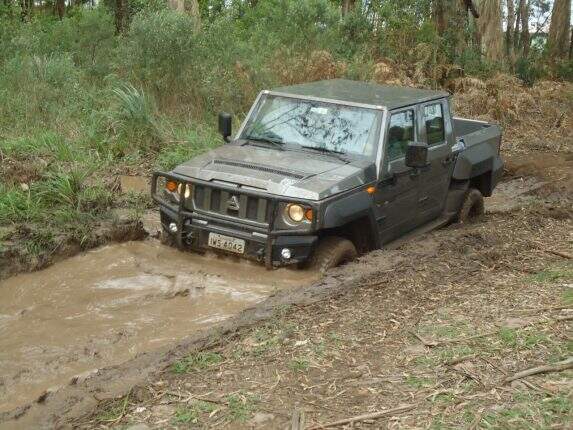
column 331, row 252
column 472, row 208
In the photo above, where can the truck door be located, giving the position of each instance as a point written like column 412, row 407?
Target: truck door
column 436, row 131
column 396, row 193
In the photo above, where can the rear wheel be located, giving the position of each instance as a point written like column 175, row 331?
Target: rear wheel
column 332, row 251
column 472, row 208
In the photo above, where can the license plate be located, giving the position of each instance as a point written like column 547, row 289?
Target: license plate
column 227, row 243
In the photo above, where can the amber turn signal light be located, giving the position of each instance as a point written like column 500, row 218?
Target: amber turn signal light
column 308, row 214
column 371, row 190
column 171, row 186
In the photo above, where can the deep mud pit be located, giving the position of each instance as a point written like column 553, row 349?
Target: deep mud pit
column 107, row 305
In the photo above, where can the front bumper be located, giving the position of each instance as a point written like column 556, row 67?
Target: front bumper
column 193, row 233
column 265, row 236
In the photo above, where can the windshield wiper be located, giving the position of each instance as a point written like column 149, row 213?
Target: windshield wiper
column 278, row 144
column 333, row 152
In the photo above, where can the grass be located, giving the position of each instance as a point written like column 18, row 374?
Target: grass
column 561, row 272
column 530, row 411
column 114, row 410
column 198, row 361
column 299, row 364
column 418, row 382
column 192, row 414
column 241, row 406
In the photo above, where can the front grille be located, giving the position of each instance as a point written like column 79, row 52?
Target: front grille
column 209, row 199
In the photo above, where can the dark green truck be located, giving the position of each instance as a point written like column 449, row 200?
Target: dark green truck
column 320, row 172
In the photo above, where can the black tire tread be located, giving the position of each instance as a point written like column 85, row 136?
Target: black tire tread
column 332, row 251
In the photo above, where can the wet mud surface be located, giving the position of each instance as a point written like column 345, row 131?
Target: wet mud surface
column 107, row 305
column 151, row 304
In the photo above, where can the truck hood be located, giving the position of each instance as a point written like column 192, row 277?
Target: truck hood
column 290, row 173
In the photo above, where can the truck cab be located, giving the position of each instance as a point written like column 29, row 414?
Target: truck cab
column 320, row 172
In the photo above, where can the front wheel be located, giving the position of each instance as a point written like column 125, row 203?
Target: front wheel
column 332, row 251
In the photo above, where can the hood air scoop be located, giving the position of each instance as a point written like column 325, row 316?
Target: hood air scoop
column 260, row 168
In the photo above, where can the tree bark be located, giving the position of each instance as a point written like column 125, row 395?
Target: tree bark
column 525, row 28
column 490, row 29
column 439, row 15
column 119, row 15
column 194, row 10
column 517, row 31
column 178, row 5
column 559, row 30
column 60, row 8
column 348, row 6
column 571, row 45
column 510, row 28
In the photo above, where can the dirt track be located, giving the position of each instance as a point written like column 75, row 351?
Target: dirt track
column 348, row 337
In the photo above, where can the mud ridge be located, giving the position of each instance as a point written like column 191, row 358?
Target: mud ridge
column 15, row 259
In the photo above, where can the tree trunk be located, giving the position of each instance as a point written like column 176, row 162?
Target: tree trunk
column 510, row 28
column 348, row 6
column 60, row 8
column 489, row 25
column 439, row 15
column 195, row 12
column 525, row 28
column 517, row 32
column 178, row 5
column 571, row 45
column 558, row 42
column 119, row 15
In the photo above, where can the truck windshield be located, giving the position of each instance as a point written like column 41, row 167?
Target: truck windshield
column 327, row 127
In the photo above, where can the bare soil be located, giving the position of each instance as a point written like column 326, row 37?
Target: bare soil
column 437, row 325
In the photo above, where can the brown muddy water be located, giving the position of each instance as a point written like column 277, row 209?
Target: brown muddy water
column 105, row 306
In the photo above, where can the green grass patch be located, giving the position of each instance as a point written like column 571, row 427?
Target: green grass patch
column 418, row 382
column 556, row 273
column 197, row 361
column 114, row 410
column 526, row 338
column 531, row 411
column 241, row 406
column 299, row 364
column 192, row 414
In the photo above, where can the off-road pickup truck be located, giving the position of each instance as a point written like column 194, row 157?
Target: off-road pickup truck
column 322, row 171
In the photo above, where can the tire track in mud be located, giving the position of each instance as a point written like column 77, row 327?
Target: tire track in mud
column 82, row 394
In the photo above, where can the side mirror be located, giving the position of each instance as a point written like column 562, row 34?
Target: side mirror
column 225, row 125
column 417, row 155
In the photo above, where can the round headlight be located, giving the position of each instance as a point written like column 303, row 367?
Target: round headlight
column 187, row 190
column 295, row 212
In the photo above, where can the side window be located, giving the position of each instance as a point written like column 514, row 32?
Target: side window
column 434, row 119
column 400, row 133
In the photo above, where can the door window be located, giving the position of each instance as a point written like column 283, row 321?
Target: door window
column 400, row 133
column 434, row 118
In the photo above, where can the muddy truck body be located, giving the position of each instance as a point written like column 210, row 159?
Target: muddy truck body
column 320, row 172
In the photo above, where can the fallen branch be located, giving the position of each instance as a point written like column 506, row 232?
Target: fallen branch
column 364, row 417
column 459, row 360
column 425, row 342
column 557, row 367
column 559, row 253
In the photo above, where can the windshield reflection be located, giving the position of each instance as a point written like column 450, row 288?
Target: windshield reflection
column 317, row 125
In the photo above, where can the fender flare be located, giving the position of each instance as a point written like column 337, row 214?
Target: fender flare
column 350, row 208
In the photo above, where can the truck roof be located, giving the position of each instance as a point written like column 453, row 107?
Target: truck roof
column 366, row 93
